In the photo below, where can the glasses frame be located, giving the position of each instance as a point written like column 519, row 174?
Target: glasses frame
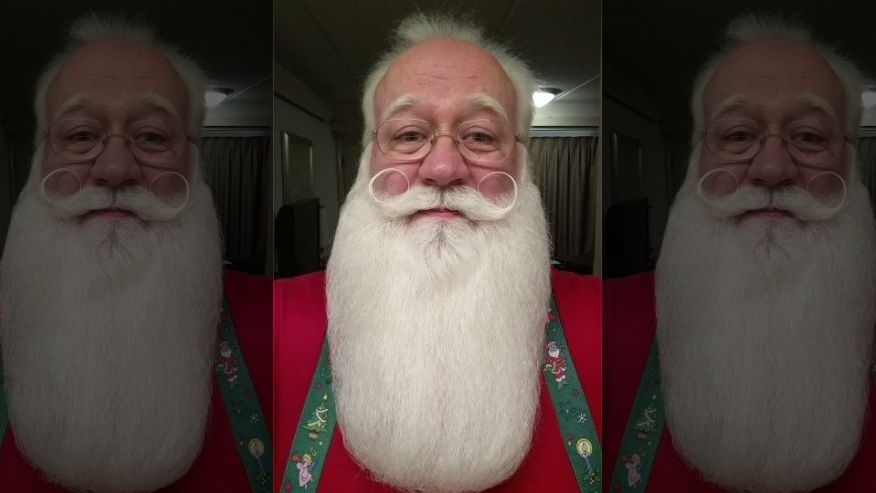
column 429, row 144
column 95, row 152
column 757, row 144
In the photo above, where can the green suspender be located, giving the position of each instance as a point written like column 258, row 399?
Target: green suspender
column 317, row 423
column 570, row 405
column 314, row 433
column 643, row 431
column 244, row 411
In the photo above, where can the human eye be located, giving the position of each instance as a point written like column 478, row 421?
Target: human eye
column 77, row 136
column 151, row 137
column 405, row 136
column 734, row 136
column 809, row 139
column 480, row 136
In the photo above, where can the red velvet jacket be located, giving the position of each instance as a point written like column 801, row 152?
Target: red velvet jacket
column 629, row 332
column 299, row 330
column 218, row 468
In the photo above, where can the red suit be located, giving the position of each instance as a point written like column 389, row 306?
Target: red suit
column 299, row 330
column 630, row 323
column 218, row 467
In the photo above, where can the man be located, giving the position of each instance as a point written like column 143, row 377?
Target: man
column 764, row 287
column 112, row 282
column 437, row 292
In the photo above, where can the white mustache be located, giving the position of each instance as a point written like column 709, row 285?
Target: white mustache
column 794, row 200
column 465, row 200
column 138, row 200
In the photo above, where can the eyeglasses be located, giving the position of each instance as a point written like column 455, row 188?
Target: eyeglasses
column 156, row 142
column 483, row 142
column 812, row 143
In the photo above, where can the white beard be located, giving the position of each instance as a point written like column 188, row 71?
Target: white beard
column 108, row 337
column 765, row 334
column 436, row 332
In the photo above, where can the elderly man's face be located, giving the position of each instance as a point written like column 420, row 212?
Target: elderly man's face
column 784, row 98
column 453, row 89
column 126, row 89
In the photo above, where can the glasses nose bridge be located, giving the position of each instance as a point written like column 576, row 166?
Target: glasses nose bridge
column 438, row 133
column 766, row 135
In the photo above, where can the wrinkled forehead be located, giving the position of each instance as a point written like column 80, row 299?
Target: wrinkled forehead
column 111, row 73
column 774, row 74
column 440, row 73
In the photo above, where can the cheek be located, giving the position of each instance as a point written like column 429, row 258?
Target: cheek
column 493, row 184
column 824, row 184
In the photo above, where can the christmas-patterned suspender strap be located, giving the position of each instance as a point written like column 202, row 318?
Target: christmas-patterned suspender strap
column 314, row 432
column 570, row 404
column 244, row 411
column 642, row 433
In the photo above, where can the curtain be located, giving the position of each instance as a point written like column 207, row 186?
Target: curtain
column 238, row 172
column 565, row 172
column 867, row 164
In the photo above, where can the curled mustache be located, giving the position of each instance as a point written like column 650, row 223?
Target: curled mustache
column 138, row 200
column 465, row 200
column 795, row 200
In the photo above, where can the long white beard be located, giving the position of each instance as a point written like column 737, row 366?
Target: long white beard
column 108, row 336
column 436, row 331
column 765, row 332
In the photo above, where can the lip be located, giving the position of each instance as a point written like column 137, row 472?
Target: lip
column 439, row 213
column 769, row 213
column 114, row 213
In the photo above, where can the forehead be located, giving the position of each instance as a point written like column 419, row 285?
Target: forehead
column 113, row 72
column 443, row 74
column 773, row 74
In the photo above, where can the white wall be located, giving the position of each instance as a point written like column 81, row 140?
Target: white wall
column 307, row 117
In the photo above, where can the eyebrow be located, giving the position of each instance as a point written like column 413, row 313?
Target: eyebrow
column 158, row 102
column 485, row 101
column 400, row 103
column 733, row 102
column 74, row 103
column 815, row 102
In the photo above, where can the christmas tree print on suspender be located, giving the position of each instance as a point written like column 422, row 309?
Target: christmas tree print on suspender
column 316, row 425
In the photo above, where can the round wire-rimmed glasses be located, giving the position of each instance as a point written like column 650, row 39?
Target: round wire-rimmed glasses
column 154, row 142
column 814, row 143
column 483, row 142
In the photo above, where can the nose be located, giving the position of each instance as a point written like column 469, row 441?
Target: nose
column 444, row 165
column 115, row 166
column 772, row 166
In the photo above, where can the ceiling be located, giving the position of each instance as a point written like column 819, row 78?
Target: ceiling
column 331, row 44
column 659, row 46
column 232, row 44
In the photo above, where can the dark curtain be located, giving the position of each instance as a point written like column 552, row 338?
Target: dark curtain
column 867, row 160
column 238, row 172
column 565, row 172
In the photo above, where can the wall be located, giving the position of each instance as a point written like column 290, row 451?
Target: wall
column 299, row 111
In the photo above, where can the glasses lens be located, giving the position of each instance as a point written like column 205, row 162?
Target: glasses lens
column 814, row 142
column 157, row 142
column 732, row 139
column 485, row 141
column 75, row 138
column 403, row 139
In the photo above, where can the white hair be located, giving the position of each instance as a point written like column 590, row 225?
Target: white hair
column 749, row 28
column 93, row 27
column 422, row 27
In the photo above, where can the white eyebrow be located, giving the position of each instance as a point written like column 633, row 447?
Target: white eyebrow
column 485, row 101
column 73, row 103
column 159, row 102
column 731, row 103
column 400, row 103
column 816, row 102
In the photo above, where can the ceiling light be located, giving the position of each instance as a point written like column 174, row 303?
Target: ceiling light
column 216, row 95
column 544, row 95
